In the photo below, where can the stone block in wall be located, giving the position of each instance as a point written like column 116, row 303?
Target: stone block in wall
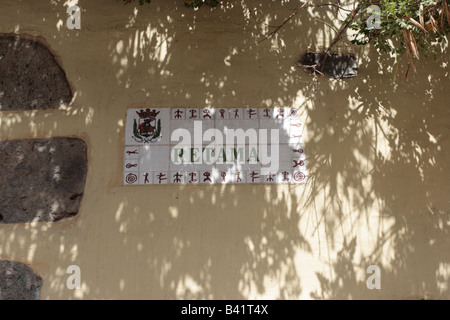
column 337, row 66
column 30, row 76
column 41, row 180
column 18, row 282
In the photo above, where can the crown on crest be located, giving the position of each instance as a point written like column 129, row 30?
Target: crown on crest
column 147, row 113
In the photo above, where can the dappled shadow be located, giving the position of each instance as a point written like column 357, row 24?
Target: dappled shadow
column 376, row 154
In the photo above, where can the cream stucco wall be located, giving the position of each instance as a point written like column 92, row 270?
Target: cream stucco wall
column 378, row 156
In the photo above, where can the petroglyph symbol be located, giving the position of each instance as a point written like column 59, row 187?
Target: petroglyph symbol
column 132, row 152
column 300, row 163
column 131, row 178
column 299, row 176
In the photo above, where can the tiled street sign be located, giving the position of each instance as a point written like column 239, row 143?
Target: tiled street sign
column 213, row 146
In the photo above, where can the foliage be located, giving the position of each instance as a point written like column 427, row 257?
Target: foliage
column 412, row 26
column 407, row 26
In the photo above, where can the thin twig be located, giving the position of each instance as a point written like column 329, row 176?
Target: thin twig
column 330, row 5
column 293, row 14
column 327, row 24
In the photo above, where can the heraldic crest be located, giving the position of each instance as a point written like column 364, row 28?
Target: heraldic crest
column 147, row 128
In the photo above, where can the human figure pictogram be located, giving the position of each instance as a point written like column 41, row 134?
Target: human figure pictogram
column 161, row 177
column 146, row 181
column 222, row 113
column 251, row 113
column 193, row 114
column 238, row 177
column 207, row 176
column 207, row 113
column 280, row 113
column 266, row 113
column 223, row 175
column 236, row 113
column 178, row 114
column 285, row 175
column 254, row 175
column 193, row 175
column 297, row 150
column 177, row 177
column 270, row 177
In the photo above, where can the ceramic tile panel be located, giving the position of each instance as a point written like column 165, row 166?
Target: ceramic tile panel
column 156, row 153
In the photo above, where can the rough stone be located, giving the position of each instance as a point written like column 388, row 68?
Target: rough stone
column 337, row 66
column 18, row 282
column 30, row 77
column 41, row 180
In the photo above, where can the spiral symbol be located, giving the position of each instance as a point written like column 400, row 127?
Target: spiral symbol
column 299, row 176
column 131, row 178
column 293, row 112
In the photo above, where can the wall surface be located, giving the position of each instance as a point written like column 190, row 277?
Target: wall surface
column 378, row 152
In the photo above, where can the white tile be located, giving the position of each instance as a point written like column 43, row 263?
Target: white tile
column 253, row 176
column 131, row 165
column 239, row 176
column 251, row 114
column 145, row 178
column 157, row 120
column 154, row 158
column 192, row 177
column 299, row 177
column 161, row 177
column 266, row 113
column 207, row 114
column 178, row 113
column 236, row 113
column 297, row 152
column 284, row 176
column 298, row 165
column 193, row 114
column 207, row 176
column 222, row 114
column 131, row 178
column 294, row 114
column 131, row 152
column 281, row 113
column 223, row 174
column 177, row 177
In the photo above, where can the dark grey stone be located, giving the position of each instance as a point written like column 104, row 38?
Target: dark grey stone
column 30, row 77
column 18, row 282
column 41, row 180
column 337, row 66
